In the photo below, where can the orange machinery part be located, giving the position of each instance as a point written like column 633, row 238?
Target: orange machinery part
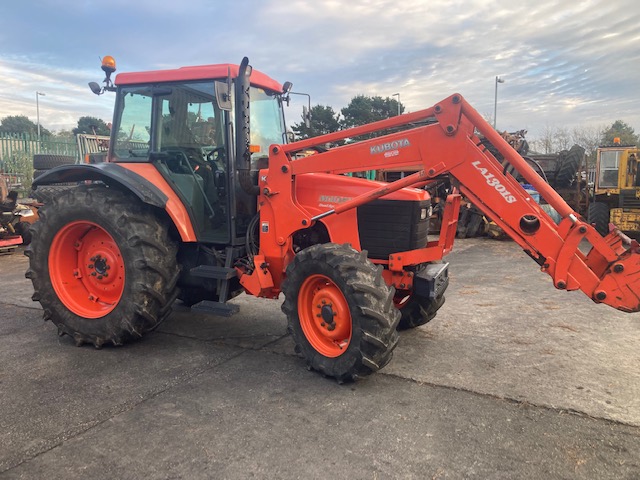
column 449, row 145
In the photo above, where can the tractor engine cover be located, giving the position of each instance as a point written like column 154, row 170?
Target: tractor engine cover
column 397, row 222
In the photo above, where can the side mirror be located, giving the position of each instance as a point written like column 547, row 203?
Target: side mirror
column 223, row 95
column 286, row 89
column 95, row 88
column 291, row 137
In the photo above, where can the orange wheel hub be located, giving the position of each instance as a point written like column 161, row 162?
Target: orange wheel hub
column 86, row 269
column 324, row 316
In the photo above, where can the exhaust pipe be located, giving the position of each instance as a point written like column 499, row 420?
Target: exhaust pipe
column 243, row 128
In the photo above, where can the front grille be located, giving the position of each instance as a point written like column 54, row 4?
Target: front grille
column 628, row 200
column 390, row 226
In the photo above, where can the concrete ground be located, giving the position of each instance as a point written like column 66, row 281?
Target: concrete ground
column 512, row 379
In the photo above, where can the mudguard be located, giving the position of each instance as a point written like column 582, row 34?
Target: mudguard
column 142, row 179
column 110, row 174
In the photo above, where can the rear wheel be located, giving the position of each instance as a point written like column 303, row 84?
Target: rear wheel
column 46, row 193
column 598, row 216
column 24, row 230
column 102, row 265
column 340, row 311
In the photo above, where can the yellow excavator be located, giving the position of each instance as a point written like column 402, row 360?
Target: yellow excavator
column 616, row 194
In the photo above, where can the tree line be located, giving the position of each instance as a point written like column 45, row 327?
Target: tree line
column 553, row 139
column 361, row 110
column 364, row 109
column 22, row 124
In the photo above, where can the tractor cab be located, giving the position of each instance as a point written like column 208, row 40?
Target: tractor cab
column 190, row 122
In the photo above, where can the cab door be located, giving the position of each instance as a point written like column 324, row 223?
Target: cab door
column 193, row 150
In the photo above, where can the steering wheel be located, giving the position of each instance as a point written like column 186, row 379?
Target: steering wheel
column 216, row 153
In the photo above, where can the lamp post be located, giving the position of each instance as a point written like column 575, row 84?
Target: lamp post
column 38, row 112
column 398, row 95
column 495, row 101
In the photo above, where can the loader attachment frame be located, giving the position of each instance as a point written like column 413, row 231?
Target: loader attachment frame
column 444, row 139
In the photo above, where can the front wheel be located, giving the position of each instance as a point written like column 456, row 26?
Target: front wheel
column 415, row 310
column 340, row 311
column 102, row 265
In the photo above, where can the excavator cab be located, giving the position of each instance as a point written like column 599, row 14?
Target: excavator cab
column 616, row 195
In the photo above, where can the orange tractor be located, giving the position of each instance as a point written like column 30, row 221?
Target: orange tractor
column 200, row 198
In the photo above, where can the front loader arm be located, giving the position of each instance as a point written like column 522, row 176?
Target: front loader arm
column 443, row 139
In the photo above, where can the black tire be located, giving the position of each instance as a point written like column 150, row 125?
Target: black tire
column 46, row 193
column 470, row 222
column 463, row 222
column 566, row 173
column 416, row 311
column 145, row 266
column 598, row 216
column 24, row 230
column 366, row 306
column 45, row 161
column 475, row 228
column 492, row 149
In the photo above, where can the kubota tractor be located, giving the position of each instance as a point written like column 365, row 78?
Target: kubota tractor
column 201, row 198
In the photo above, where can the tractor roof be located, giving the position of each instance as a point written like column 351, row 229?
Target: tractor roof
column 203, row 72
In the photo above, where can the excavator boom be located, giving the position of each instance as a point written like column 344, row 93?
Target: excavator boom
column 444, row 139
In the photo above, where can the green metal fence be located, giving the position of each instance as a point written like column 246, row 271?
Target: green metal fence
column 23, row 143
column 17, row 150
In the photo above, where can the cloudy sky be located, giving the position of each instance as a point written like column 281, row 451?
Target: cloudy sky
column 564, row 64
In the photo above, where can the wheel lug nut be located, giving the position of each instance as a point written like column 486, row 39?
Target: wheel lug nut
column 90, row 265
column 99, row 277
column 93, row 274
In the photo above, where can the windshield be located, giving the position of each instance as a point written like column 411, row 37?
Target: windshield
column 609, row 163
column 134, row 125
column 189, row 117
column 267, row 120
